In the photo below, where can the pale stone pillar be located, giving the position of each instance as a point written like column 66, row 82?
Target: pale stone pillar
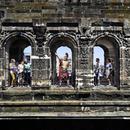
column 85, row 63
column 2, row 67
column 127, row 67
column 90, row 67
column 40, row 68
column 123, row 74
column 6, row 66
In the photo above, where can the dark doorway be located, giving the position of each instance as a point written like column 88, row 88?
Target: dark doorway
column 18, row 48
column 55, row 46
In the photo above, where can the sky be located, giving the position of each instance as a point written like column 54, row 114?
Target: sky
column 98, row 53
column 62, row 50
column 27, row 50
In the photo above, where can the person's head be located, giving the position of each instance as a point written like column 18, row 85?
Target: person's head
column 109, row 60
column 12, row 60
column 22, row 62
column 25, row 62
column 97, row 60
column 112, row 60
column 67, row 55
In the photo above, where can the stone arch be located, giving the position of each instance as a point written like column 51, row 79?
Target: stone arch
column 111, row 44
column 62, row 36
column 9, row 42
column 12, row 37
column 58, row 40
column 108, row 35
column 21, row 34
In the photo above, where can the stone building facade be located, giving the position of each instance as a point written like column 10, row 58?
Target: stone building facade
column 46, row 25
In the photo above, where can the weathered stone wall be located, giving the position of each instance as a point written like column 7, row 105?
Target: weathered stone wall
column 65, row 9
column 85, row 20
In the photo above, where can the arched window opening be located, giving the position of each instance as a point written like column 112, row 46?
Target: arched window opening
column 106, row 63
column 63, row 65
column 19, row 53
column 98, row 65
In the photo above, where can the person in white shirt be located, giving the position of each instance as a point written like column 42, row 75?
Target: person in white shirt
column 97, row 72
column 20, row 73
column 27, row 73
column 109, row 68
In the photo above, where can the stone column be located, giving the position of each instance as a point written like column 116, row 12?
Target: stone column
column 123, row 64
column 127, row 67
column 90, row 67
column 40, row 62
column 6, row 66
column 83, row 71
column 3, row 69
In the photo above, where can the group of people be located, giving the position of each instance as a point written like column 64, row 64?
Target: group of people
column 20, row 73
column 108, row 72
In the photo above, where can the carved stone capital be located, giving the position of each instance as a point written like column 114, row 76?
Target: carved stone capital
column 40, row 51
column 40, row 31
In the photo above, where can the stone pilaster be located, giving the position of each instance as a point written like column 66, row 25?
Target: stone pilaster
column 40, row 63
column 124, row 67
column 90, row 67
column 3, row 70
column 127, row 67
column 83, row 73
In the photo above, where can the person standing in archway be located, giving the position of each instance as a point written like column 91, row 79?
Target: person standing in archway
column 20, row 73
column 27, row 73
column 63, row 69
column 112, row 73
column 97, row 72
column 109, row 69
column 13, row 72
column 65, row 66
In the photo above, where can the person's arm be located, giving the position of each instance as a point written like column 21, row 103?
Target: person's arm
column 57, row 56
column 68, row 64
column 60, row 60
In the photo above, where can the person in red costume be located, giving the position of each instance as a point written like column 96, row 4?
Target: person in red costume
column 63, row 74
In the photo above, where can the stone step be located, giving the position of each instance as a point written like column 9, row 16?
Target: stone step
column 64, row 93
column 64, row 108
column 65, row 115
column 91, row 103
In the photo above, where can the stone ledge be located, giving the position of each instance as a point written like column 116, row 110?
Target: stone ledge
column 66, row 108
column 89, row 115
column 23, row 94
column 65, row 103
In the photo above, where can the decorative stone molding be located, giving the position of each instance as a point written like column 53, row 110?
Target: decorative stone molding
column 110, row 35
column 5, row 36
column 39, row 31
column 69, row 37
